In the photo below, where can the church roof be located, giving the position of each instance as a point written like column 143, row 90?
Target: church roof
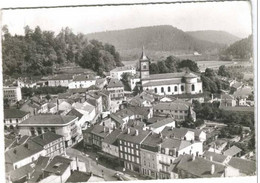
column 143, row 56
column 170, row 75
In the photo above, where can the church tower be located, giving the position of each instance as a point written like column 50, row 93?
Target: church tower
column 144, row 65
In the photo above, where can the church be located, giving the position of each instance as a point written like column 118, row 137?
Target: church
column 168, row 83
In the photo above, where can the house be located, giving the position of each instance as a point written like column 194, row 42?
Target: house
column 97, row 135
column 130, row 141
column 187, row 167
column 110, row 144
column 87, row 110
column 116, row 89
column 65, row 106
column 12, row 117
column 140, row 100
column 62, row 125
column 52, row 143
column 133, row 81
column 172, row 148
column 12, row 93
column 95, row 99
column 213, row 156
column 233, row 151
column 60, row 80
column 23, row 155
column 178, row 110
column 227, row 100
column 101, row 83
column 82, row 81
column 117, row 72
column 236, row 86
column 160, row 125
column 245, row 167
column 178, row 133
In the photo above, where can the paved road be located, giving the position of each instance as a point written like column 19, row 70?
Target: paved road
column 96, row 168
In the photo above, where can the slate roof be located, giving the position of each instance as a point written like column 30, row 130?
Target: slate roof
column 22, row 151
column 46, row 138
column 232, row 151
column 132, row 137
column 74, row 112
column 83, row 78
column 168, row 75
column 84, row 106
column 115, row 83
column 77, row 176
column 200, row 167
column 151, row 142
column 112, row 137
column 14, row 113
column 160, row 83
column 116, row 118
column 155, row 119
column 161, row 123
column 178, row 133
column 215, row 156
column 171, row 106
column 48, row 120
column 61, row 77
column 175, row 143
column 21, row 172
column 100, row 130
column 245, row 166
column 58, row 165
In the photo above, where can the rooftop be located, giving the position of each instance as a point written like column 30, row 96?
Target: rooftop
column 74, row 112
column 83, row 78
column 61, row 77
column 115, row 83
column 232, row 151
column 112, row 137
column 58, row 165
column 124, row 68
column 204, row 165
column 161, row 123
column 48, row 120
column 151, row 142
column 46, row 138
column 245, row 166
column 178, row 133
column 171, row 106
column 22, row 151
column 175, row 144
column 77, row 176
column 100, row 130
column 133, row 136
column 215, row 156
column 169, row 75
column 14, row 113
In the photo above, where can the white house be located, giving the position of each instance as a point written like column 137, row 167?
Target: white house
column 13, row 94
column 160, row 125
column 118, row 71
column 82, row 81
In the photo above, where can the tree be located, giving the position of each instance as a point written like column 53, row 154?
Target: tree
column 210, row 73
column 125, row 80
column 222, row 71
column 189, row 64
column 153, row 68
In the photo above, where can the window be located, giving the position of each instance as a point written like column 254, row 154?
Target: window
column 182, row 88
column 137, row 153
column 121, row 148
column 163, row 151
column 137, row 160
column 125, row 149
column 121, row 155
column 129, row 158
column 132, row 151
column 170, row 153
column 169, row 89
column 120, row 141
column 129, row 150
column 136, row 146
column 155, row 90
column 176, row 88
column 162, row 89
column 133, row 159
column 192, row 87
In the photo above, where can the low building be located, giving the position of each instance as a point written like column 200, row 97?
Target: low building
column 160, row 125
column 12, row 117
column 197, row 167
column 116, row 89
column 52, row 143
column 60, row 80
column 245, row 167
column 97, row 135
column 62, row 125
column 13, row 94
column 22, row 155
column 178, row 110
column 82, row 81
column 227, row 100
column 117, row 72
column 233, row 151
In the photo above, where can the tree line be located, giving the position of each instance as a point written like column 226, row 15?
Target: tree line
column 38, row 53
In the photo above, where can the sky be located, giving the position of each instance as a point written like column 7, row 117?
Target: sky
column 233, row 17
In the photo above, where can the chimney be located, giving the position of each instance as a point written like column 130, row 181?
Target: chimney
column 128, row 130
column 136, row 132
column 159, row 147
column 28, row 176
column 212, row 171
column 193, row 157
column 211, row 158
column 225, row 172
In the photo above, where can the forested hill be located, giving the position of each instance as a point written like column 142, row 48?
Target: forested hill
column 213, row 36
column 242, row 49
column 38, row 52
column 156, row 38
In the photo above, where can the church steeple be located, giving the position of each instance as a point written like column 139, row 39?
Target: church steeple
column 143, row 56
column 144, row 65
